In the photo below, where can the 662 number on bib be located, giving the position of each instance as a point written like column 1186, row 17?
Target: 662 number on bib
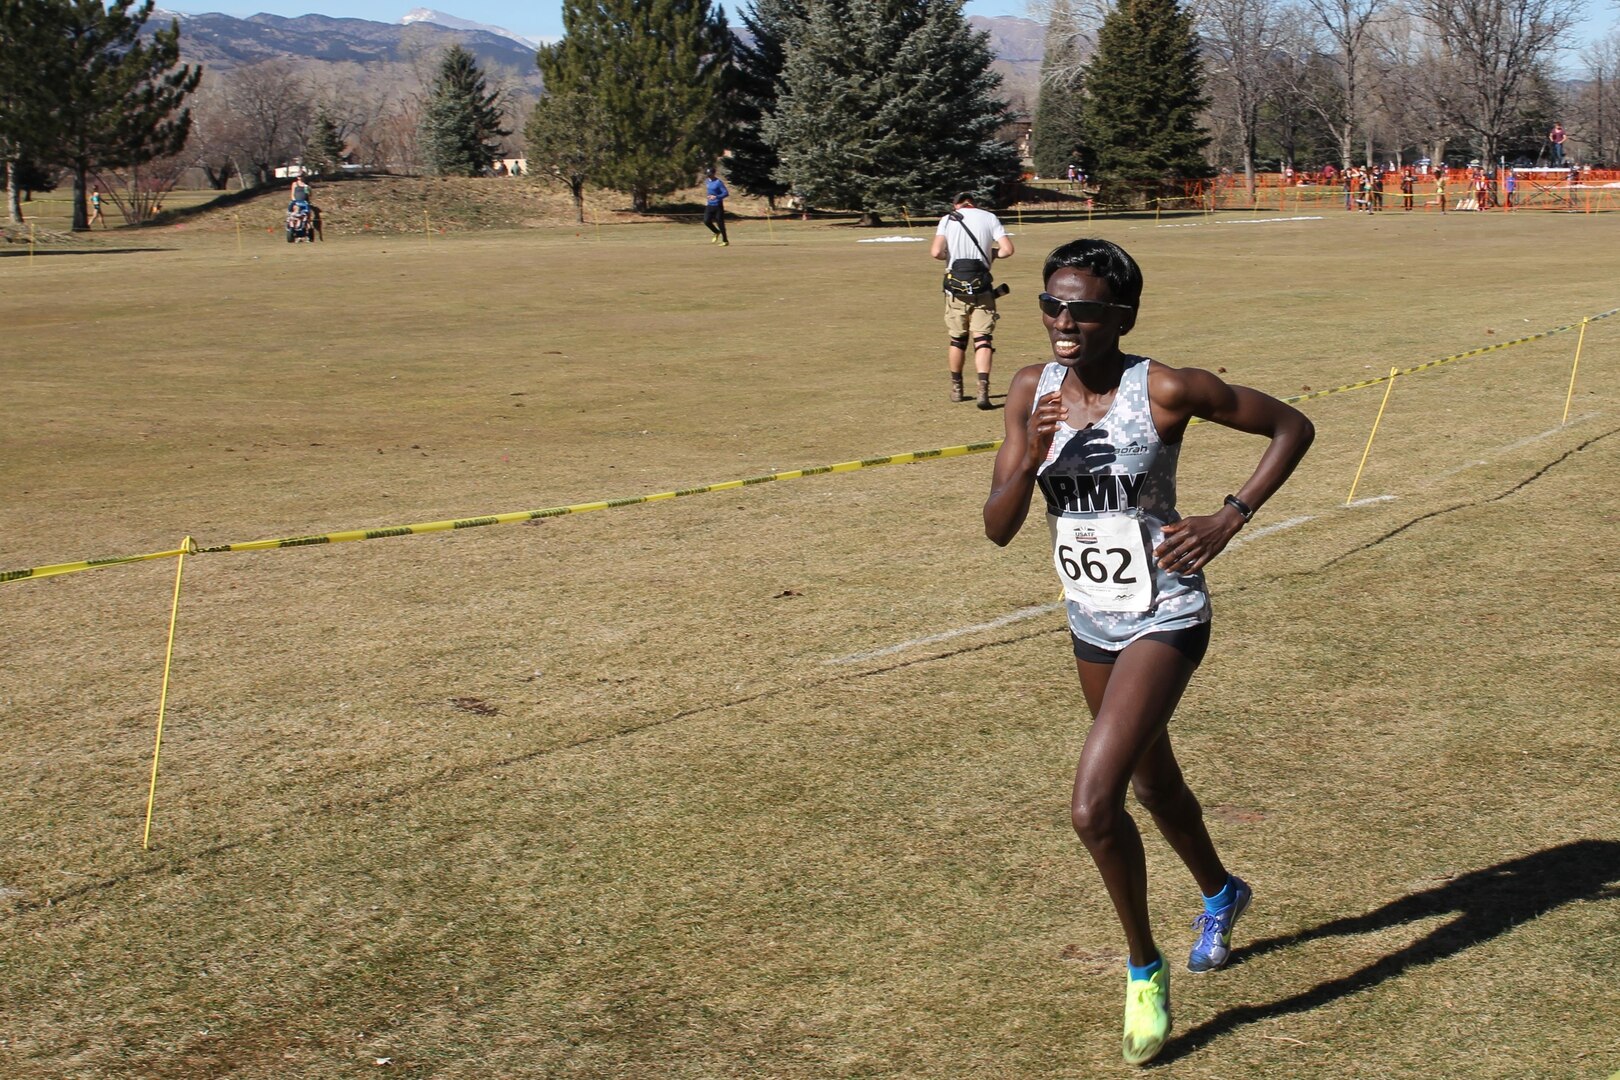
column 1102, row 563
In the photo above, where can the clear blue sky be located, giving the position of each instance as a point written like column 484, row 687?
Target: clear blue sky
column 544, row 18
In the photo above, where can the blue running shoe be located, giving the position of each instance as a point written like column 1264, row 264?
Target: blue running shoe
column 1214, row 928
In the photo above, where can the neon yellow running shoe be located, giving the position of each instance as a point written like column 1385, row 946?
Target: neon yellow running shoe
column 1147, row 1015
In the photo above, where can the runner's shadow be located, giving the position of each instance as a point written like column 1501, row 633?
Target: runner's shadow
column 1487, row 903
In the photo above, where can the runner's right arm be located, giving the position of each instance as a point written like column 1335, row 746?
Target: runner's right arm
column 1029, row 432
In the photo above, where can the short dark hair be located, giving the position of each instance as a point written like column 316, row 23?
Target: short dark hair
column 1103, row 258
column 962, row 197
column 709, row 171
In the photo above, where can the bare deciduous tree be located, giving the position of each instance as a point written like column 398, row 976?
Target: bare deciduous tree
column 1595, row 108
column 1404, row 83
column 1071, row 37
column 1071, row 34
column 274, row 110
column 1344, row 40
column 1241, row 39
column 1495, row 47
column 355, row 98
column 138, row 190
column 217, row 134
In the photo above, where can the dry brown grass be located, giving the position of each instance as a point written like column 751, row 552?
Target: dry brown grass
column 375, row 205
column 686, row 843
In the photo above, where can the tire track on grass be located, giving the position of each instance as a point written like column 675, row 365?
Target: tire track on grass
column 1515, row 489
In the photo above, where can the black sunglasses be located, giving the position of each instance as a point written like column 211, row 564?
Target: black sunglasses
column 1079, row 310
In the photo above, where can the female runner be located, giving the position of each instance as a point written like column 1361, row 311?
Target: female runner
column 1099, row 432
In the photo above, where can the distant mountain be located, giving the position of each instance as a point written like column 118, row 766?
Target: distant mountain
column 222, row 42
column 452, row 22
column 1018, row 46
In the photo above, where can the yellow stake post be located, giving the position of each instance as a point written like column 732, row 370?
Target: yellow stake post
column 163, row 697
column 30, row 243
column 1573, row 369
column 1370, row 435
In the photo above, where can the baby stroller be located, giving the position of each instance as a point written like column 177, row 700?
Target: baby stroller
column 303, row 222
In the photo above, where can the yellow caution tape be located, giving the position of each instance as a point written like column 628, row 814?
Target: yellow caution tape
column 728, row 485
column 505, row 519
column 88, row 564
column 1470, row 354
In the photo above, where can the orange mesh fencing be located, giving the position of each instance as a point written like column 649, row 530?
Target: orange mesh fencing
column 1579, row 190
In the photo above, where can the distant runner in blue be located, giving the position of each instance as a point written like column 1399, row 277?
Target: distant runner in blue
column 714, row 211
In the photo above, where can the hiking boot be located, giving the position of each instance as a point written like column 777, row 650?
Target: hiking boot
column 956, row 393
column 1147, row 1015
column 983, row 401
column 1214, row 928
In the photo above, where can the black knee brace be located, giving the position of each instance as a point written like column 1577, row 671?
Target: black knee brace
column 983, row 342
column 959, row 342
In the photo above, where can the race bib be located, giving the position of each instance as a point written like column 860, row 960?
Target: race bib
column 1103, row 562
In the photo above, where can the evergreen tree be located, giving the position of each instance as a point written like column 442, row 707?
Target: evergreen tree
column 657, row 70
column 461, row 123
column 27, row 115
column 772, row 25
column 324, row 154
column 1055, row 135
column 1141, row 97
column 567, row 140
column 118, row 91
column 887, row 105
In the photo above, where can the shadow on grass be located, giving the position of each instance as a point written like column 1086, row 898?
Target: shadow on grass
column 226, row 200
column 1487, row 903
column 45, row 253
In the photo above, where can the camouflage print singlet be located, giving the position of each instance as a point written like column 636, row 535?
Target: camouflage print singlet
column 1110, row 489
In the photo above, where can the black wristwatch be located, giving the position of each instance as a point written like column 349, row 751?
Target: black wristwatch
column 1241, row 507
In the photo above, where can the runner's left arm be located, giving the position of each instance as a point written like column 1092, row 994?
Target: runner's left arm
column 1190, row 544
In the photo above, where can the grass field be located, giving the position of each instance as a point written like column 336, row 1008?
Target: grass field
column 773, row 782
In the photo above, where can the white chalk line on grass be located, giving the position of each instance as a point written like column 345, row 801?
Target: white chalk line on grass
column 1029, row 612
column 1267, row 530
column 933, row 639
column 891, row 240
column 1281, row 526
column 1526, row 441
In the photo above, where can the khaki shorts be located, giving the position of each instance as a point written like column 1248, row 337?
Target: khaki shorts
column 962, row 317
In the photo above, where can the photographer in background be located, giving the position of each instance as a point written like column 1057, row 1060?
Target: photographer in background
column 970, row 240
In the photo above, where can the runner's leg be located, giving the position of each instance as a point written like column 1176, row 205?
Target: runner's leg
column 1160, row 787
column 1131, row 700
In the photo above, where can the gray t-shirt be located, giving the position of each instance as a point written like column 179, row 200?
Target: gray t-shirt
column 986, row 227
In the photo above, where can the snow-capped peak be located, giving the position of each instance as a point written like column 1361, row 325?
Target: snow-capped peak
column 451, row 22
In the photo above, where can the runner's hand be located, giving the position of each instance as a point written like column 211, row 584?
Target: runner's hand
column 1191, row 543
column 1049, row 411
